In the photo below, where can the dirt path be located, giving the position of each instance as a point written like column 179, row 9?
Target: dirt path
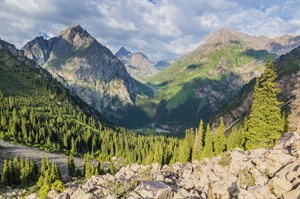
column 10, row 150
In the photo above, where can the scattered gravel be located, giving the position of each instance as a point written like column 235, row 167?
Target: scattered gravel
column 9, row 150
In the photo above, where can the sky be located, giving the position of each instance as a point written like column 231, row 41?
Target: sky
column 161, row 29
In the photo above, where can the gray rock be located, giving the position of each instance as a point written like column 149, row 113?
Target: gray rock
column 152, row 189
column 286, row 179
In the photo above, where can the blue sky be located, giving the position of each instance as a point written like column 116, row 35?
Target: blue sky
column 159, row 28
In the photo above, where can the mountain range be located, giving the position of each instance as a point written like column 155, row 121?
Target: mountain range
column 128, row 89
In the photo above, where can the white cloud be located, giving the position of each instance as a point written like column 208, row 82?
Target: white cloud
column 164, row 29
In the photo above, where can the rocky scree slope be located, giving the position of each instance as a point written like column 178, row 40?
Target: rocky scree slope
column 137, row 64
column 200, row 83
column 88, row 68
column 259, row 173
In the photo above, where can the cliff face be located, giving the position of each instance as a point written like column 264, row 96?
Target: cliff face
column 259, row 173
column 88, row 68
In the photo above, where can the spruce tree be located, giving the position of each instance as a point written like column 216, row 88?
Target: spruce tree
column 219, row 139
column 87, row 167
column 198, row 144
column 5, row 177
column 208, row 147
column 71, row 166
column 235, row 139
column 112, row 168
column 158, row 153
column 185, row 152
column 264, row 126
column 100, row 168
column 78, row 172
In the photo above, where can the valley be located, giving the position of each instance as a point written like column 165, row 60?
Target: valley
column 149, row 99
column 193, row 87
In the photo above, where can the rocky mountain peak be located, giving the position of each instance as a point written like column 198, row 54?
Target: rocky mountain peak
column 123, row 55
column 141, row 55
column 76, row 35
column 137, row 64
column 7, row 47
column 223, row 35
column 123, row 52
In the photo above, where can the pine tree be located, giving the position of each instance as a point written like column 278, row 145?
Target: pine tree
column 208, row 147
column 235, row 139
column 5, row 177
column 58, row 186
column 87, row 167
column 35, row 172
column 264, row 126
column 16, row 171
column 112, row 168
column 219, row 139
column 198, row 145
column 100, row 168
column 71, row 166
column 25, row 173
column 158, row 153
column 185, row 152
column 78, row 172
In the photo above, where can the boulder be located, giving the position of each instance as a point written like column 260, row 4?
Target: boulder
column 153, row 189
column 286, row 179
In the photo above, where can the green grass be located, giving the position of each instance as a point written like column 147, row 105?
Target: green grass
column 177, row 84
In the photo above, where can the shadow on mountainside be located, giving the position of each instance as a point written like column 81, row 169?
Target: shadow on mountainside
column 198, row 99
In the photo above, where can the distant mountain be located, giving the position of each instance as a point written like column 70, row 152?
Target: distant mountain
column 162, row 64
column 88, row 68
column 226, row 37
column 138, row 65
column 198, row 85
column 124, row 55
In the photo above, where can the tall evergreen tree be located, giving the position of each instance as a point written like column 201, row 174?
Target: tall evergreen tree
column 185, row 152
column 71, row 166
column 219, row 139
column 208, row 147
column 158, row 153
column 264, row 126
column 198, row 144
column 5, row 177
column 235, row 139
column 112, row 168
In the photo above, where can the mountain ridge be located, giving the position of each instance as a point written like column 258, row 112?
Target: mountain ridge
column 210, row 76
